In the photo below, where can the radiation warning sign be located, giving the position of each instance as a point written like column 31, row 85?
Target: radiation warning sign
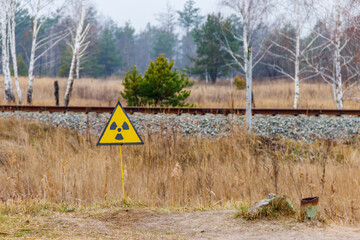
column 119, row 130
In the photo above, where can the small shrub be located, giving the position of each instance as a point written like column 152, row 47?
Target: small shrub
column 239, row 82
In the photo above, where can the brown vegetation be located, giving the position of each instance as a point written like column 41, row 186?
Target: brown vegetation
column 268, row 94
column 58, row 165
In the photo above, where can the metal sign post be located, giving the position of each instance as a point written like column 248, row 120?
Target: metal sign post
column 120, row 131
column 122, row 174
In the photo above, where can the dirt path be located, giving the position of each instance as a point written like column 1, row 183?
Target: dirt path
column 149, row 225
column 221, row 225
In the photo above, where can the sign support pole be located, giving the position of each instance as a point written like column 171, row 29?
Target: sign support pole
column 248, row 63
column 119, row 131
column 122, row 174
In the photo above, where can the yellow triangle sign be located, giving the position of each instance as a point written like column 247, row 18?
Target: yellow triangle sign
column 119, row 130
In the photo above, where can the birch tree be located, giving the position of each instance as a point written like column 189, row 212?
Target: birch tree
column 78, row 47
column 295, row 49
column 335, row 59
column 39, row 46
column 252, row 14
column 11, row 29
column 4, row 19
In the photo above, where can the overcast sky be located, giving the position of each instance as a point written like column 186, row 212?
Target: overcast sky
column 140, row 12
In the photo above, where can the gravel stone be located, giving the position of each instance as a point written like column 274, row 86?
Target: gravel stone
column 301, row 128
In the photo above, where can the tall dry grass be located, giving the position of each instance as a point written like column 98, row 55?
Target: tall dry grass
column 268, row 93
column 40, row 162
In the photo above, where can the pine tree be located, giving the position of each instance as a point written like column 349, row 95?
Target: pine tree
column 212, row 60
column 22, row 67
column 107, row 52
column 143, row 47
column 132, row 83
column 165, row 39
column 161, row 85
column 125, row 45
column 23, row 31
column 165, row 43
column 189, row 18
column 65, row 62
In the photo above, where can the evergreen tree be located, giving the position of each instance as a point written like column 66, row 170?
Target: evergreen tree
column 90, row 65
column 107, row 52
column 132, row 91
column 143, row 47
column 125, row 45
column 23, row 32
column 165, row 39
column 22, row 67
column 49, row 26
column 188, row 18
column 212, row 60
column 162, row 85
column 65, row 61
column 164, row 43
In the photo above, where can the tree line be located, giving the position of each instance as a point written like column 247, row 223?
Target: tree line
column 298, row 39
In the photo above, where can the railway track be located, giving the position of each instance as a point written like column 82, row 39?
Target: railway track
column 180, row 110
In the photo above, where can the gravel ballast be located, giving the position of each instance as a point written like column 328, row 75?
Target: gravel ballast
column 302, row 128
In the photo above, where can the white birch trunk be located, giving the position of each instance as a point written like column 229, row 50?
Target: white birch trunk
column 297, row 85
column 35, row 31
column 78, row 68
column 338, row 76
column 79, row 38
column 9, row 95
column 297, row 57
column 70, row 80
column 12, row 25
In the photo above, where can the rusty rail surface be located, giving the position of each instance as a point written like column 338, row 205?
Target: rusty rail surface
column 180, row 110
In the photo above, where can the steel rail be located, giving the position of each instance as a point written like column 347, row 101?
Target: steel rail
column 180, row 110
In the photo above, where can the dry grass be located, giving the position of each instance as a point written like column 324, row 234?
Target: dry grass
column 86, row 92
column 268, row 94
column 58, row 165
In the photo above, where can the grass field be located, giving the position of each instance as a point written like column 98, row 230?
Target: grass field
column 61, row 166
column 268, row 94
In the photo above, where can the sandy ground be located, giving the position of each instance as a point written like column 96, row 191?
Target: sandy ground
column 144, row 224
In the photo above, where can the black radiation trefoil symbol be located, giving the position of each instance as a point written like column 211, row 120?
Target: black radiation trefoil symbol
column 114, row 126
